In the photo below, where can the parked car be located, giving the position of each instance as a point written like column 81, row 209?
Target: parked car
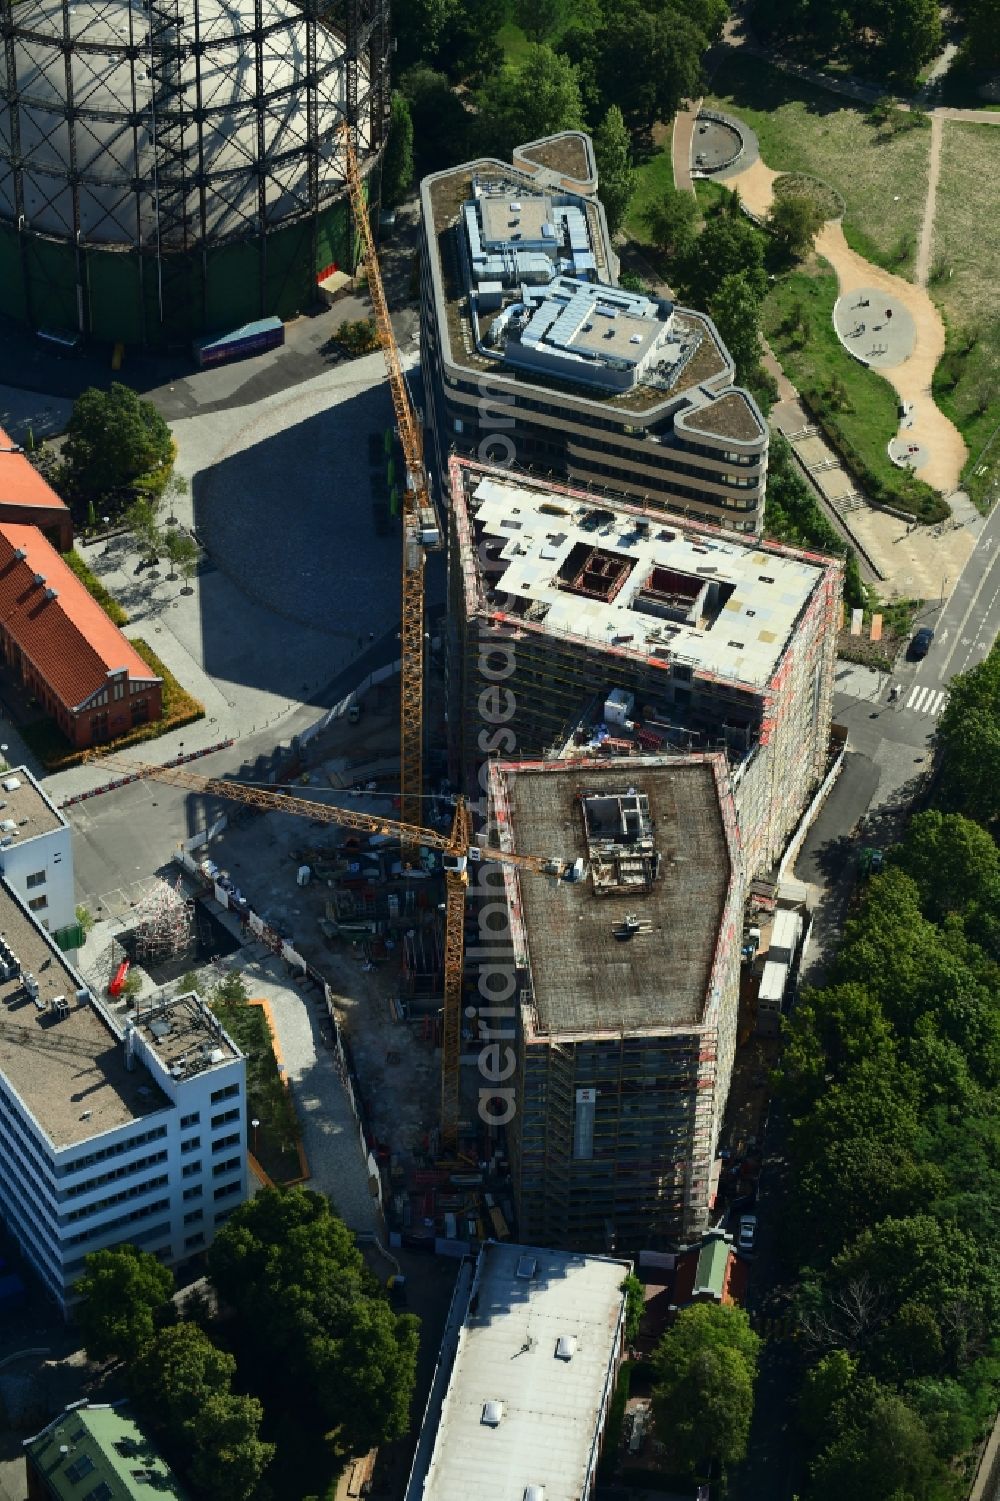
column 746, row 1240
column 921, row 643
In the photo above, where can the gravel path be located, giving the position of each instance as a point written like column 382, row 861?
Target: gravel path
column 923, row 266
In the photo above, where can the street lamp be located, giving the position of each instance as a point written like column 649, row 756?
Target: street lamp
column 254, row 1124
column 944, row 585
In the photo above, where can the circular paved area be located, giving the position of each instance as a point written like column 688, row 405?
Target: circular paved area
column 907, row 454
column 714, row 141
column 875, row 327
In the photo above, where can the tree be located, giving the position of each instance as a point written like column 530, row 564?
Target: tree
column 536, row 99
column 727, row 246
column 795, row 220
column 735, row 310
column 541, row 19
column 635, row 1306
column 182, row 1385
column 673, row 223
column 418, row 27
column 705, row 1368
column 113, row 440
column 650, row 58
column 911, row 36
column 954, row 862
column 886, row 1452
column 180, row 550
column 969, row 738
column 231, row 990
column 824, row 1389
column 982, row 38
column 397, row 164
column 228, row 1456
column 140, row 518
column 613, row 150
column 440, row 120
column 290, row 1269
column 124, row 1299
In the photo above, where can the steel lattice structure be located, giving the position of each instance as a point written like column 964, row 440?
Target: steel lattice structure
column 154, row 135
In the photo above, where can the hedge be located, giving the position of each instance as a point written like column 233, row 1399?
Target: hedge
column 95, row 588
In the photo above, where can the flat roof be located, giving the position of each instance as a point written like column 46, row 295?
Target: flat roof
column 547, row 1407
column 185, row 1034
column 90, row 1444
column 589, row 974
column 68, row 1068
column 27, row 806
column 701, row 369
column 744, row 598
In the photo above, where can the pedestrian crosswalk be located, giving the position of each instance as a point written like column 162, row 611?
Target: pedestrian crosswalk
column 927, row 700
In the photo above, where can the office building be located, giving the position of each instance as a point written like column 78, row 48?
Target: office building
column 581, row 626
column 526, row 1374
column 36, row 854
column 112, row 1127
column 534, row 357
column 623, row 994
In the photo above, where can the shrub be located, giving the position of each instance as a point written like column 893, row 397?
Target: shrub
column 95, row 588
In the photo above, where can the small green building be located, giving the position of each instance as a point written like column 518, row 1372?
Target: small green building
column 96, row 1452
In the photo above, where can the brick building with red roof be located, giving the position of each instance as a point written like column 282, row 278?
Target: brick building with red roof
column 26, row 497
column 63, row 647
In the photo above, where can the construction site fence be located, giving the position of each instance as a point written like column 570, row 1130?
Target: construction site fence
column 791, row 854
column 251, row 922
column 339, row 709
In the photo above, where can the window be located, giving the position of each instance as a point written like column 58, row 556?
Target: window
column 100, row 1492
column 80, row 1467
column 225, row 1118
column 224, row 1142
column 191, row 1120
column 225, row 1167
column 226, row 1190
column 119, row 690
column 192, row 1170
column 193, row 1241
column 228, row 1093
column 37, row 878
column 191, row 1145
column 38, row 903
column 193, row 1216
column 193, row 1193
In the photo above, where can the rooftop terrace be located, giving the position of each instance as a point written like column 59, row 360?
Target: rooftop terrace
column 617, row 575
column 630, row 946
column 185, row 1035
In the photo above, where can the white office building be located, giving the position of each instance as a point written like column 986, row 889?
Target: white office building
column 111, row 1129
column 36, row 852
column 526, row 1374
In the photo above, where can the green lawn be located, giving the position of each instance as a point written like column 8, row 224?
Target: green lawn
column 855, row 406
column 966, row 237
column 965, row 262
column 514, row 43
column 804, row 129
column 269, row 1099
column 654, row 178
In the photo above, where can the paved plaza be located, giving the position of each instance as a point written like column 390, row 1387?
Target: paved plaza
column 875, row 327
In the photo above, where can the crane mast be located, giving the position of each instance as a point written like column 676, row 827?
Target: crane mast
column 456, row 848
column 420, row 526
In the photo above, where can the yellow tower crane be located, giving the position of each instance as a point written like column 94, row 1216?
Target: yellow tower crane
column 457, row 851
column 420, row 523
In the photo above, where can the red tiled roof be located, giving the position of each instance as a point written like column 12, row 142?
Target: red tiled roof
column 69, row 639
column 20, row 483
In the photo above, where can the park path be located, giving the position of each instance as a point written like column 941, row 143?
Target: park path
column 922, row 268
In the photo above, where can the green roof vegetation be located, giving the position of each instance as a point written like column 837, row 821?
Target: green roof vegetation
column 107, row 1458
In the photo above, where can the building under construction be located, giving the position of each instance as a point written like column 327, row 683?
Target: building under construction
column 581, row 626
column 625, row 994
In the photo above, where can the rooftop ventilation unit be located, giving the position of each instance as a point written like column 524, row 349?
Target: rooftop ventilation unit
column 534, row 1493
column 52, row 594
column 20, row 554
column 492, row 1413
column 566, row 1347
column 11, row 784
column 526, row 1267
column 9, row 825
column 39, row 578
